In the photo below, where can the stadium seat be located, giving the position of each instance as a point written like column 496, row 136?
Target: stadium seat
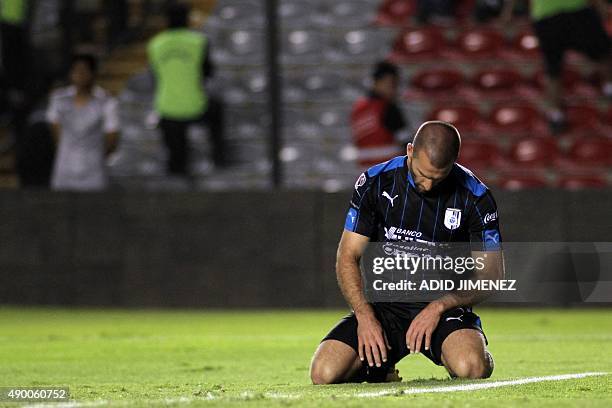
column 321, row 86
column 435, row 83
column 361, row 45
column 350, row 13
column 240, row 47
column 516, row 119
column 497, row 79
column 534, row 152
column 578, row 182
column 575, row 85
column 476, row 44
column 396, row 12
column 417, row 44
column 303, row 46
column 516, row 182
column 583, row 118
column 527, row 44
column 524, row 46
column 479, row 155
column 297, row 14
column 590, row 152
column 243, row 14
column 465, row 117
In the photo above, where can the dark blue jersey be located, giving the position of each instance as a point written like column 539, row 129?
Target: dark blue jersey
column 386, row 206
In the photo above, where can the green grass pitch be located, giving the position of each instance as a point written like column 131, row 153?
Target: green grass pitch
column 252, row 359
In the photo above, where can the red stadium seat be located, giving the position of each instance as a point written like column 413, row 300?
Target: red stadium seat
column 395, row 12
column 477, row 43
column 533, row 152
column 524, row 46
column 527, row 44
column 591, row 152
column 522, row 182
column 417, row 44
column 464, row 117
column 479, row 155
column 503, row 79
column 582, row 182
column 573, row 82
column 516, row 119
column 583, row 118
column 435, row 83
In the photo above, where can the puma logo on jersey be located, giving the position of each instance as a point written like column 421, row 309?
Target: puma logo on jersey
column 455, row 318
column 388, row 197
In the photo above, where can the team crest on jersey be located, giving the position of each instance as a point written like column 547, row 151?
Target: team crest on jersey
column 452, row 218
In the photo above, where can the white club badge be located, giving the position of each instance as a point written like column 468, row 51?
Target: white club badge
column 452, row 218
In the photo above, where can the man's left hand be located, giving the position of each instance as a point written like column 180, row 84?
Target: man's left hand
column 423, row 326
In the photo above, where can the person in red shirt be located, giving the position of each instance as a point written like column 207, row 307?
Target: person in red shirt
column 376, row 120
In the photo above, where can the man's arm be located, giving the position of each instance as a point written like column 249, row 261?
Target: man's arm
column 427, row 320
column 208, row 68
column 372, row 343
column 111, row 126
column 493, row 270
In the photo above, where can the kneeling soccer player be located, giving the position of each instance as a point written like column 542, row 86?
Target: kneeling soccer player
column 426, row 196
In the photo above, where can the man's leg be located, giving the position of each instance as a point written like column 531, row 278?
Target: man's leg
column 213, row 118
column 334, row 362
column 175, row 137
column 465, row 355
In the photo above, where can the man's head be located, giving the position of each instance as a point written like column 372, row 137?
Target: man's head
column 433, row 153
column 177, row 16
column 386, row 80
column 83, row 70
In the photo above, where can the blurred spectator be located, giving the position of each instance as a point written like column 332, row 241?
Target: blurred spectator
column 376, row 120
column 561, row 25
column 14, row 39
column 180, row 60
column 85, row 123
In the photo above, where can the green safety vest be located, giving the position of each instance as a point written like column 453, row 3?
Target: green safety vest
column 545, row 8
column 13, row 11
column 177, row 57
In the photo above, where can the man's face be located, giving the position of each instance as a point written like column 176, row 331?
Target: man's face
column 81, row 74
column 387, row 86
column 424, row 174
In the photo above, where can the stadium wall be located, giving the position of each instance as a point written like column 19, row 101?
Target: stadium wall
column 239, row 249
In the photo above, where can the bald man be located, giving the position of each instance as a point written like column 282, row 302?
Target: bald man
column 426, row 197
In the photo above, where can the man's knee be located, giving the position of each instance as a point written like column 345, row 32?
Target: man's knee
column 323, row 373
column 473, row 366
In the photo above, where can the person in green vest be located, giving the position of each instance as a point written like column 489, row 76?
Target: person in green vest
column 561, row 25
column 180, row 61
column 14, row 39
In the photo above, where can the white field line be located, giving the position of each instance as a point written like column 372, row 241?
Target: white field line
column 478, row 386
column 279, row 395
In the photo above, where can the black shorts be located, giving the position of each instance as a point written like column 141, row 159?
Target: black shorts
column 395, row 319
column 581, row 31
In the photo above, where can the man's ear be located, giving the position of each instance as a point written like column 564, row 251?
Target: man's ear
column 409, row 150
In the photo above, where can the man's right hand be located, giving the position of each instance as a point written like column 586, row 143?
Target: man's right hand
column 373, row 343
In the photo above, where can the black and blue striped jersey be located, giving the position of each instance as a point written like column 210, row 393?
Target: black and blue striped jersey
column 386, row 206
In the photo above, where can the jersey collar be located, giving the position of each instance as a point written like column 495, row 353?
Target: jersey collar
column 408, row 173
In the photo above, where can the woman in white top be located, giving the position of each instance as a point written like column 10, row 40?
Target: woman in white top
column 85, row 123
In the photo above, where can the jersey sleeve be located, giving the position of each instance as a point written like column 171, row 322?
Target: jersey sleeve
column 483, row 224
column 361, row 216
